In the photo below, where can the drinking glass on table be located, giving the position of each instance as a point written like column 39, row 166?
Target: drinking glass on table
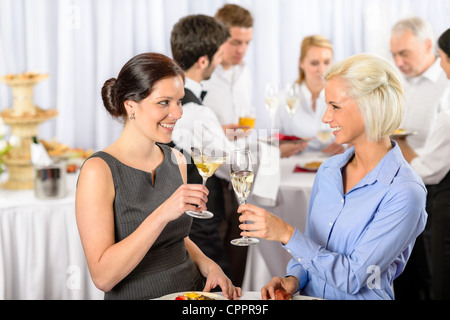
column 324, row 134
column 272, row 101
column 207, row 163
column 242, row 179
column 292, row 98
column 247, row 117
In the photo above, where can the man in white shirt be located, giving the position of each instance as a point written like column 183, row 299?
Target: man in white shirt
column 427, row 87
column 433, row 166
column 197, row 45
column 427, row 91
column 230, row 88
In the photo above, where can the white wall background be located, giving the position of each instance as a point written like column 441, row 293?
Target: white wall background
column 82, row 43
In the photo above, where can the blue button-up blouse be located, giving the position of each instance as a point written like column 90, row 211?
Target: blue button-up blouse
column 357, row 243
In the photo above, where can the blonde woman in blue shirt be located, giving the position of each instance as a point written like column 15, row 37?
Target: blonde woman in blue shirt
column 367, row 205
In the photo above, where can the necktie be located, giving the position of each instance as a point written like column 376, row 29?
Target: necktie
column 203, row 94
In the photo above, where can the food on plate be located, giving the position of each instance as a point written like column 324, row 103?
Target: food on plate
column 193, row 296
column 282, row 295
column 29, row 75
column 314, row 165
column 56, row 149
column 74, row 157
column 399, row 131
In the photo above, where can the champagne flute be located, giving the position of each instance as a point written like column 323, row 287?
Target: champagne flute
column 207, row 165
column 292, row 99
column 272, row 101
column 242, row 180
column 324, row 134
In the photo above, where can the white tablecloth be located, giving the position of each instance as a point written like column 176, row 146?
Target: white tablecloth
column 267, row 259
column 41, row 256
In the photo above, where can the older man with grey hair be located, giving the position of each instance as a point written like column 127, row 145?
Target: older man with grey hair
column 427, row 94
column 427, row 87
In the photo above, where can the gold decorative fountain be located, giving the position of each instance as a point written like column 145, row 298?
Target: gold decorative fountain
column 24, row 119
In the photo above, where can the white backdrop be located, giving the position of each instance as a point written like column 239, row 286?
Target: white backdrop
column 82, row 43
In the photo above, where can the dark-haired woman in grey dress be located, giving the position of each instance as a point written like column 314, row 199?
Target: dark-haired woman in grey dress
column 131, row 197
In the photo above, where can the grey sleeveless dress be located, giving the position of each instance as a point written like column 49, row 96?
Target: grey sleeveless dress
column 167, row 266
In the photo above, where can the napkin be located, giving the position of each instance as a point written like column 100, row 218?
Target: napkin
column 39, row 156
column 267, row 181
column 300, row 169
column 283, row 137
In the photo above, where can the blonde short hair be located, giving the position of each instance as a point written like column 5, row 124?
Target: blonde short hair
column 376, row 86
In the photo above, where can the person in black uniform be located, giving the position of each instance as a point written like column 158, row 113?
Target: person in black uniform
column 197, row 42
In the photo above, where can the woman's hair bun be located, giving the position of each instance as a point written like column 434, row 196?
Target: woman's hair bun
column 108, row 96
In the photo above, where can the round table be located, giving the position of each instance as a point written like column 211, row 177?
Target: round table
column 41, row 256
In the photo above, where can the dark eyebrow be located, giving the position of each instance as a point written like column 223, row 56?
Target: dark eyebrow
column 164, row 97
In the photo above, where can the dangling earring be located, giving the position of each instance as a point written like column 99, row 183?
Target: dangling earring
column 132, row 117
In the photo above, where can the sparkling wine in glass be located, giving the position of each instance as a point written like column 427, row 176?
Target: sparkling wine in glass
column 324, row 134
column 242, row 180
column 207, row 164
column 292, row 99
column 272, row 101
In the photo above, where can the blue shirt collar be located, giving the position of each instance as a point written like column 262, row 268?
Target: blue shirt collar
column 384, row 172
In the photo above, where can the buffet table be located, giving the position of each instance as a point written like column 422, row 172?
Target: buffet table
column 41, row 256
column 267, row 259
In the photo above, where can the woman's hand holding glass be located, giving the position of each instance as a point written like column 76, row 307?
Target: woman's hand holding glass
column 264, row 225
column 188, row 197
column 207, row 163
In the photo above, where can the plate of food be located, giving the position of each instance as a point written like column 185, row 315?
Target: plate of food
column 402, row 133
column 192, row 295
column 281, row 138
column 285, row 138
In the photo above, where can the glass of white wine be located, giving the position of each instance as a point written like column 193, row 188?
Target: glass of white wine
column 292, row 98
column 207, row 164
column 242, row 180
column 272, row 101
column 324, row 134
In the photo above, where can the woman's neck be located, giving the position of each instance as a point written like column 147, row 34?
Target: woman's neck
column 314, row 88
column 369, row 154
column 136, row 151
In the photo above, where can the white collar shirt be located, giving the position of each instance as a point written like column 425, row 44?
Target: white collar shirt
column 426, row 96
column 433, row 163
column 229, row 92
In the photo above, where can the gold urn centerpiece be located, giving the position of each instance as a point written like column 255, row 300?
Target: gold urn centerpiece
column 24, row 118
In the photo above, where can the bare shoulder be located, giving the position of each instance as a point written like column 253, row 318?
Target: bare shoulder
column 95, row 168
column 179, row 156
column 181, row 161
column 95, row 179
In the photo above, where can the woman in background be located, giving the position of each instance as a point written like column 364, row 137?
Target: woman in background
column 316, row 57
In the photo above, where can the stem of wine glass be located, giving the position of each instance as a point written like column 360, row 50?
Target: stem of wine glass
column 241, row 202
column 204, row 181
